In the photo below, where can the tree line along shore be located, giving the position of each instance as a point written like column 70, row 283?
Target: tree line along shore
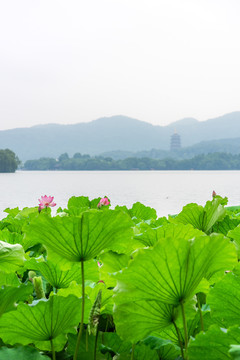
column 9, row 162
column 212, row 161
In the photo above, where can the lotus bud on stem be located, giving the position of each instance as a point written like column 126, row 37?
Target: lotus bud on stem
column 38, row 286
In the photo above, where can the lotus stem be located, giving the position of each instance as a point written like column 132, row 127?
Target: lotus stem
column 86, row 340
column 82, row 317
column 106, row 327
column 200, row 311
column 179, row 338
column 53, row 350
column 133, row 348
column 185, row 331
column 95, row 345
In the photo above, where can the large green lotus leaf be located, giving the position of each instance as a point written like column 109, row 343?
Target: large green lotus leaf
column 61, row 279
column 224, row 226
column 78, row 204
column 159, row 222
column 193, row 326
column 213, row 211
column 122, row 349
column 9, row 279
column 21, row 353
column 11, row 257
column 151, row 236
column 72, row 289
column 146, row 234
column 233, row 209
column 214, row 344
column 143, row 352
column 40, row 323
column 137, row 319
column 235, row 234
column 76, row 290
column 178, row 231
column 15, row 222
column 139, row 212
column 29, row 212
column 111, row 263
column 224, row 300
column 72, row 239
column 166, row 350
column 202, row 218
column 10, row 295
column 12, row 212
column 172, row 270
column 116, row 344
column 11, row 237
column 142, row 212
column 86, row 348
column 106, row 297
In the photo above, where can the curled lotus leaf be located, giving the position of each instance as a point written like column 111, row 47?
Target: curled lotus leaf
column 12, row 257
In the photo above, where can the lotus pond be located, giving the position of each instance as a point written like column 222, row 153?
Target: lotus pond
column 95, row 283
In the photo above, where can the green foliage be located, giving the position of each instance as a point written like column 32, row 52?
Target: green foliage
column 167, row 161
column 73, row 239
column 45, row 321
column 8, row 161
column 21, row 353
column 227, row 292
column 214, row 344
column 120, row 284
column 11, row 257
column 202, row 218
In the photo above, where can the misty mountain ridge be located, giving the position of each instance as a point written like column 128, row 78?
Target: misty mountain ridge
column 116, row 133
column 231, row 146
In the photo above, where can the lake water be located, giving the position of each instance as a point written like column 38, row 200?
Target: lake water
column 166, row 191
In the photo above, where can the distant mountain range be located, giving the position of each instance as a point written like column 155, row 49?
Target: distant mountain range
column 118, row 133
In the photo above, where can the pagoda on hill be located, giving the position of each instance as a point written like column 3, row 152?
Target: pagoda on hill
column 175, row 142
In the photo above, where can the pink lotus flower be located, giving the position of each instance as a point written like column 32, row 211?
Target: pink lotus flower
column 45, row 202
column 103, row 202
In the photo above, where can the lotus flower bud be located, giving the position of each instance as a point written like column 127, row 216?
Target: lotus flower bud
column 38, row 286
column 103, row 202
column 31, row 275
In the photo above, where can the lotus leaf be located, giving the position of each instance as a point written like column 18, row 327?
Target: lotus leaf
column 11, row 257
column 214, row 344
column 73, row 239
column 40, row 323
column 21, row 353
column 171, row 271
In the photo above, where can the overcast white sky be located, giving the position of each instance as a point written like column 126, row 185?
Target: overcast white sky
column 155, row 60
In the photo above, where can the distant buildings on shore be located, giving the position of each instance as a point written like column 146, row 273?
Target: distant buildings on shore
column 175, row 143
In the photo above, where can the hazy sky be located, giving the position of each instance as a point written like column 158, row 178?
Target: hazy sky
column 155, row 60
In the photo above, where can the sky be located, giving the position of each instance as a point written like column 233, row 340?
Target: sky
column 70, row 61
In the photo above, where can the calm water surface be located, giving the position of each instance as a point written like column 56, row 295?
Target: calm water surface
column 166, row 191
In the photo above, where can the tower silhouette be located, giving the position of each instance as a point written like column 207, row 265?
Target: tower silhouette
column 175, row 142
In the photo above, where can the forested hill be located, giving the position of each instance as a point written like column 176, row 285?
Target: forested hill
column 113, row 133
